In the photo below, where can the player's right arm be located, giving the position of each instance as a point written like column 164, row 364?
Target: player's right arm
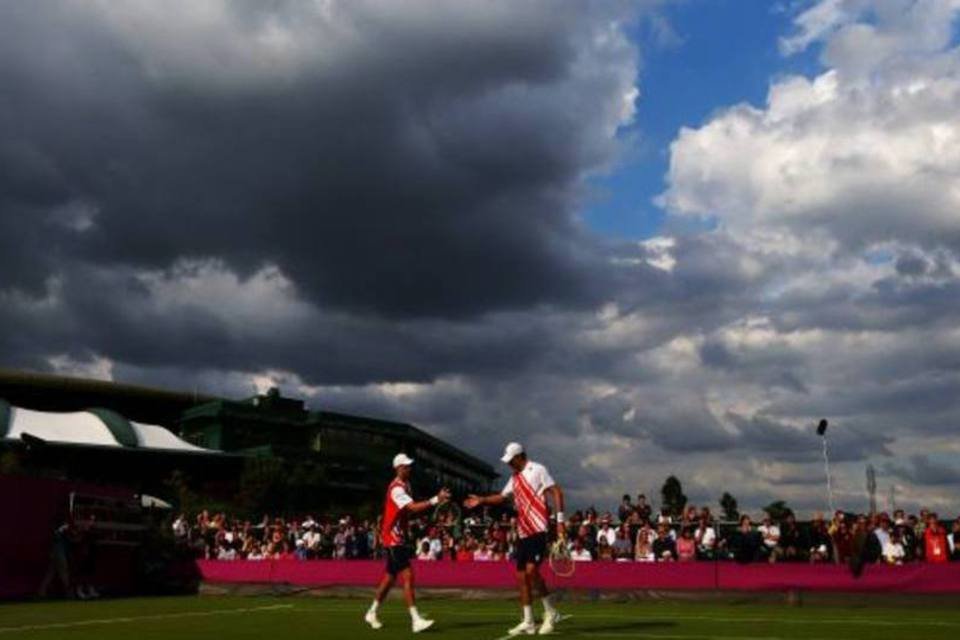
column 492, row 500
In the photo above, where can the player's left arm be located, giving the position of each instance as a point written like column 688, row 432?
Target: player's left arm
column 554, row 495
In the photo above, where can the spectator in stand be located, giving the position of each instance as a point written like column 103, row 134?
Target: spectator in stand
column 705, row 537
column 689, row 518
column 664, row 547
column 820, row 546
column 604, row 550
column 935, row 545
column 579, row 552
column 770, row 532
column 664, row 517
column 745, row 545
column 622, row 547
column 606, row 533
column 686, row 546
column 842, row 542
column 423, row 551
column 643, row 510
column 893, row 551
column 625, row 509
column 589, row 541
column 643, row 548
column 483, row 553
column 792, row 543
column 953, row 540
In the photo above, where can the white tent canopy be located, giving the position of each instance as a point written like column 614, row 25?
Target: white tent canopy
column 90, row 428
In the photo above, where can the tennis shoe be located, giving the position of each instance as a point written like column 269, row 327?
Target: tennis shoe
column 372, row 620
column 528, row 628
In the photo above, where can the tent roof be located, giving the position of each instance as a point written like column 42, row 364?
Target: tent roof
column 94, row 427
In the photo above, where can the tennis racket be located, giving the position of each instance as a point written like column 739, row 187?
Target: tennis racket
column 561, row 563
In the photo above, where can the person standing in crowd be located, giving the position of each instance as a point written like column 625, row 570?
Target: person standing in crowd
column 398, row 507
column 935, row 541
column 529, row 486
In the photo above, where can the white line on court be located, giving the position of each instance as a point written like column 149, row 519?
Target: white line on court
column 680, row 617
column 158, row 616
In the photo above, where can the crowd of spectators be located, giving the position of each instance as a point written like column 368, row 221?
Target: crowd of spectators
column 637, row 534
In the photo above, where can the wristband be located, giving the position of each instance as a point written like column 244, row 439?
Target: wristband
column 559, row 517
column 435, row 500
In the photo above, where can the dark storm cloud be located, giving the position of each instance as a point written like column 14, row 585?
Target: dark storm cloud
column 924, row 471
column 426, row 163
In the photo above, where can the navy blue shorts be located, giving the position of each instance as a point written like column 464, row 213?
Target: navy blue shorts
column 398, row 559
column 531, row 550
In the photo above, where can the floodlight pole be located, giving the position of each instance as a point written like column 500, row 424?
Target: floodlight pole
column 826, row 468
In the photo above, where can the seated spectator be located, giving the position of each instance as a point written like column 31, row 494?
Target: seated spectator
column 423, row 551
column 745, row 545
column 606, row 533
column 842, row 543
column 643, row 548
column 953, row 540
column 604, row 550
column 483, row 553
column 893, row 551
column 705, row 537
column 622, row 547
column 935, row 541
column 664, row 547
column 689, row 518
column 643, row 510
column 770, row 533
column 792, row 543
column 579, row 553
column 819, row 544
column 625, row 509
column 686, row 546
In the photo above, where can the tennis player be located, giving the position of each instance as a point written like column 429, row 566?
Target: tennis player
column 529, row 486
column 397, row 509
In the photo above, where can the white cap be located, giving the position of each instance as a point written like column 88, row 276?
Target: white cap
column 401, row 459
column 513, row 449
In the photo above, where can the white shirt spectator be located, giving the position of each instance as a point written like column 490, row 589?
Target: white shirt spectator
column 706, row 538
column 311, row 539
column 581, row 556
column 227, row 553
column 180, row 527
column 770, row 533
column 893, row 552
column 607, row 532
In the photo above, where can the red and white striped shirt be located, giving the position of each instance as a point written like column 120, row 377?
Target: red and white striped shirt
column 527, row 488
column 394, row 513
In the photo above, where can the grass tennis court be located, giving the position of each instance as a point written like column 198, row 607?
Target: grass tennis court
column 295, row 618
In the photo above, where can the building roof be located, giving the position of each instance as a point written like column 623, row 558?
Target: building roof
column 94, row 427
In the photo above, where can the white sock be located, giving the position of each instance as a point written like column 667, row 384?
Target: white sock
column 374, row 607
column 548, row 605
column 414, row 614
column 528, row 614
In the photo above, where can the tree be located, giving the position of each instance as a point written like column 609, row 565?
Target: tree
column 673, row 499
column 729, row 505
column 778, row 510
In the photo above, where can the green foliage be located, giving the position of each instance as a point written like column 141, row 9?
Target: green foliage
column 730, row 508
column 778, row 510
column 672, row 495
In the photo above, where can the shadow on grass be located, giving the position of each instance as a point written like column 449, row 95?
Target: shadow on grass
column 637, row 626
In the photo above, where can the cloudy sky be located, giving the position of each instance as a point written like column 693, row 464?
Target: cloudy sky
column 642, row 237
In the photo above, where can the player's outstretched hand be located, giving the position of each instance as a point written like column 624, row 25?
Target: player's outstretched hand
column 444, row 495
column 471, row 502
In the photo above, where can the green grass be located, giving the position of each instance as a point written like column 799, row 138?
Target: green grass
column 296, row 618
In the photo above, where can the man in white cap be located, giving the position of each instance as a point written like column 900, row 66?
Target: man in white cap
column 397, row 509
column 529, row 486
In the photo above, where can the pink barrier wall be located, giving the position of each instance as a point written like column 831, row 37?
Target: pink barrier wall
column 919, row 578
